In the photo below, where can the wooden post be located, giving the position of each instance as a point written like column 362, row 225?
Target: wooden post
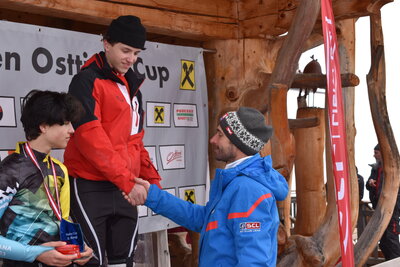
column 162, row 249
column 310, row 186
column 376, row 82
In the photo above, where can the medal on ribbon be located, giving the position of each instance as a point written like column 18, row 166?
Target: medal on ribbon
column 69, row 232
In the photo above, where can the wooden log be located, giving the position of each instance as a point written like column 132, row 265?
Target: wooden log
column 220, row 8
column 391, row 160
column 310, row 186
column 312, row 80
column 304, row 123
column 159, row 21
column 282, row 76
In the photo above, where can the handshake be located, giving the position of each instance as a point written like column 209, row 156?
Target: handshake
column 138, row 194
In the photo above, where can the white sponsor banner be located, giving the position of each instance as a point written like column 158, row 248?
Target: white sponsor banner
column 33, row 57
column 172, row 157
column 185, row 115
column 7, row 112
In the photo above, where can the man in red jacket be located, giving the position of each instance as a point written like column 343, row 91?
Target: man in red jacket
column 106, row 153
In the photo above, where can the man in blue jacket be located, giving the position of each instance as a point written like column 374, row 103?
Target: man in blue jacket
column 239, row 224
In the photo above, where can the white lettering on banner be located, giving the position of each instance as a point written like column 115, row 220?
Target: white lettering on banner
column 339, row 166
column 337, row 132
column 346, row 238
column 342, row 190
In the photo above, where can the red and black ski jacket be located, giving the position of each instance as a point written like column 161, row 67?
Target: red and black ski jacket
column 102, row 147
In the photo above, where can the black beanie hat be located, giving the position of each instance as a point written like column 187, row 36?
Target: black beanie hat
column 246, row 129
column 127, row 30
column 377, row 147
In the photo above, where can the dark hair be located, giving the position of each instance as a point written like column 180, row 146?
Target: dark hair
column 109, row 40
column 377, row 147
column 49, row 108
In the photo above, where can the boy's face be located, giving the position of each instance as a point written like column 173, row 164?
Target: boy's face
column 377, row 156
column 120, row 56
column 57, row 136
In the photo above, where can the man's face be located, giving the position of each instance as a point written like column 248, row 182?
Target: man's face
column 120, row 56
column 378, row 156
column 223, row 148
column 57, row 136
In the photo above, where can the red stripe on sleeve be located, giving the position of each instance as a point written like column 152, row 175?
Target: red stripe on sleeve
column 212, row 225
column 250, row 211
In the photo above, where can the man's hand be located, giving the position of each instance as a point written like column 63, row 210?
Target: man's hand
column 138, row 194
column 53, row 257
column 85, row 256
column 145, row 183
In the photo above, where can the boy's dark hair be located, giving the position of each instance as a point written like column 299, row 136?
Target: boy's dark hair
column 48, row 108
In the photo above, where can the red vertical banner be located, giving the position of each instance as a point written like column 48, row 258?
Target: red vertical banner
column 337, row 130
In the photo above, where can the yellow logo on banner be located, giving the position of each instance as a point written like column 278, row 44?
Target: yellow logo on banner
column 190, row 196
column 187, row 75
column 159, row 114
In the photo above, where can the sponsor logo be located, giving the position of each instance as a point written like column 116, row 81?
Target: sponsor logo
column 1, row 112
column 187, row 75
column 174, row 156
column 184, row 114
column 190, row 196
column 159, row 114
column 250, row 227
column 5, row 247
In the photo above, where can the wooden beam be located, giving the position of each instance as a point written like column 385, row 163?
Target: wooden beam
column 356, row 8
column 273, row 18
column 194, row 20
column 266, row 18
column 312, row 80
column 159, row 21
column 212, row 8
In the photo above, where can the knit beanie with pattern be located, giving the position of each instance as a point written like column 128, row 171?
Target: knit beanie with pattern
column 246, row 129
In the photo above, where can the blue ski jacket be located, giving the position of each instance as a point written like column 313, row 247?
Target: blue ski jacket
column 239, row 224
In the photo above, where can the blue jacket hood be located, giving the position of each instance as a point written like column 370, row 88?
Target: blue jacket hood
column 259, row 169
